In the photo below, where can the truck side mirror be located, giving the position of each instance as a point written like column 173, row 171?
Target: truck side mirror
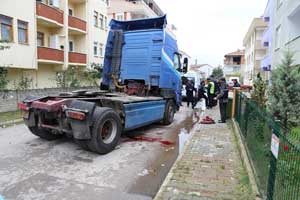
column 185, row 65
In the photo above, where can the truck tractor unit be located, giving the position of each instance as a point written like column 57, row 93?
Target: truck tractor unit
column 141, row 85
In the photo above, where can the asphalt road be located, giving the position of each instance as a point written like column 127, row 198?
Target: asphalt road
column 34, row 169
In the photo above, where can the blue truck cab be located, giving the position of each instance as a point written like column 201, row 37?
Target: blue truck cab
column 141, row 84
column 149, row 58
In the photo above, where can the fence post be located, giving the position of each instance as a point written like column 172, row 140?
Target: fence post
column 233, row 104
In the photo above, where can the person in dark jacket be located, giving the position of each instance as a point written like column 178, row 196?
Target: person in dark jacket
column 223, row 99
column 202, row 93
column 236, row 83
column 189, row 88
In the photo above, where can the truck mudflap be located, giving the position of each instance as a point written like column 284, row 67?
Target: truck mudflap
column 80, row 116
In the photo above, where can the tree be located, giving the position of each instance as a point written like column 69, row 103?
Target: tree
column 218, row 72
column 3, row 70
column 259, row 92
column 284, row 93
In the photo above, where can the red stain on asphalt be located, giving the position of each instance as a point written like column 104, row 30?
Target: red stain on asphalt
column 148, row 139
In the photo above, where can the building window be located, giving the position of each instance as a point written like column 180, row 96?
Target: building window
column 23, row 32
column 277, row 37
column 70, row 12
column 101, row 52
column 54, row 3
column 120, row 16
column 101, row 21
column 71, row 46
column 95, row 18
column 40, row 39
column 279, row 3
column 95, row 49
column 105, row 22
column 6, row 27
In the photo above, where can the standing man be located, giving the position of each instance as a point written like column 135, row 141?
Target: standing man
column 223, row 99
column 189, row 88
column 236, row 83
column 202, row 93
column 211, row 91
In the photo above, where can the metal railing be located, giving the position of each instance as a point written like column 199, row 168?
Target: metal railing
column 277, row 172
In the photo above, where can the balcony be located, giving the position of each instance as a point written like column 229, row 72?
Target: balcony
column 76, row 25
column 50, row 56
column 49, row 16
column 259, row 45
column 266, row 63
column 77, row 58
column 267, row 35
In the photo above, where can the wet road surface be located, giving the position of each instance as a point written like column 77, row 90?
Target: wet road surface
column 31, row 168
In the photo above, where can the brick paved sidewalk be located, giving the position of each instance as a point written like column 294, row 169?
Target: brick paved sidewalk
column 209, row 168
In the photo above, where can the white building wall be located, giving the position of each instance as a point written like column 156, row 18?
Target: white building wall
column 286, row 36
column 20, row 55
column 96, row 34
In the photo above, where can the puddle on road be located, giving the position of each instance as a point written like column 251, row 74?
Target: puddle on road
column 173, row 142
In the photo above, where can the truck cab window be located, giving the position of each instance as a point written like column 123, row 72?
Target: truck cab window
column 176, row 61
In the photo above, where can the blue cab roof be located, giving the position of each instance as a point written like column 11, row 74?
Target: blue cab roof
column 140, row 24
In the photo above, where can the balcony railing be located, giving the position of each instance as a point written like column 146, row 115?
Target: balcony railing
column 77, row 23
column 45, row 53
column 49, row 12
column 77, row 58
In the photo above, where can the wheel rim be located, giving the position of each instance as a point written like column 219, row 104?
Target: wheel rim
column 108, row 131
column 171, row 113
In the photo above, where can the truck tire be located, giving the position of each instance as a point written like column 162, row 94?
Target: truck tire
column 106, row 131
column 169, row 113
column 44, row 133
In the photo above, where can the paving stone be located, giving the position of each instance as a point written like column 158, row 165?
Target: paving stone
column 209, row 167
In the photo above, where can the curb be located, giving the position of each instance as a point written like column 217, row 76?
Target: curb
column 8, row 123
column 170, row 173
column 245, row 159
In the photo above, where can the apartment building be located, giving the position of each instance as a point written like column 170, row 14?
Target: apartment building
column 267, row 40
column 233, row 64
column 49, row 36
column 133, row 9
column 254, row 50
column 286, row 31
column 205, row 70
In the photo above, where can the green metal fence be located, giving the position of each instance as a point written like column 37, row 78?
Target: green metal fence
column 278, row 176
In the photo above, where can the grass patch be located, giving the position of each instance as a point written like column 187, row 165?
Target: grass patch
column 244, row 190
column 9, row 116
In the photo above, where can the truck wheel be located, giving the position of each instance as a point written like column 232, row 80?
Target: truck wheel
column 106, row 131
column 44, row 133
column 169, row 113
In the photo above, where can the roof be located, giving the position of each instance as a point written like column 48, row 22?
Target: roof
column 236, row 53
column 198, row 66
column 256, row 23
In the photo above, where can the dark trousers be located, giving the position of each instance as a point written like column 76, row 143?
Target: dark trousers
column 206, row 100
column 192, row 102
column 223, row 107
column 211, row 100
column 190, row 99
